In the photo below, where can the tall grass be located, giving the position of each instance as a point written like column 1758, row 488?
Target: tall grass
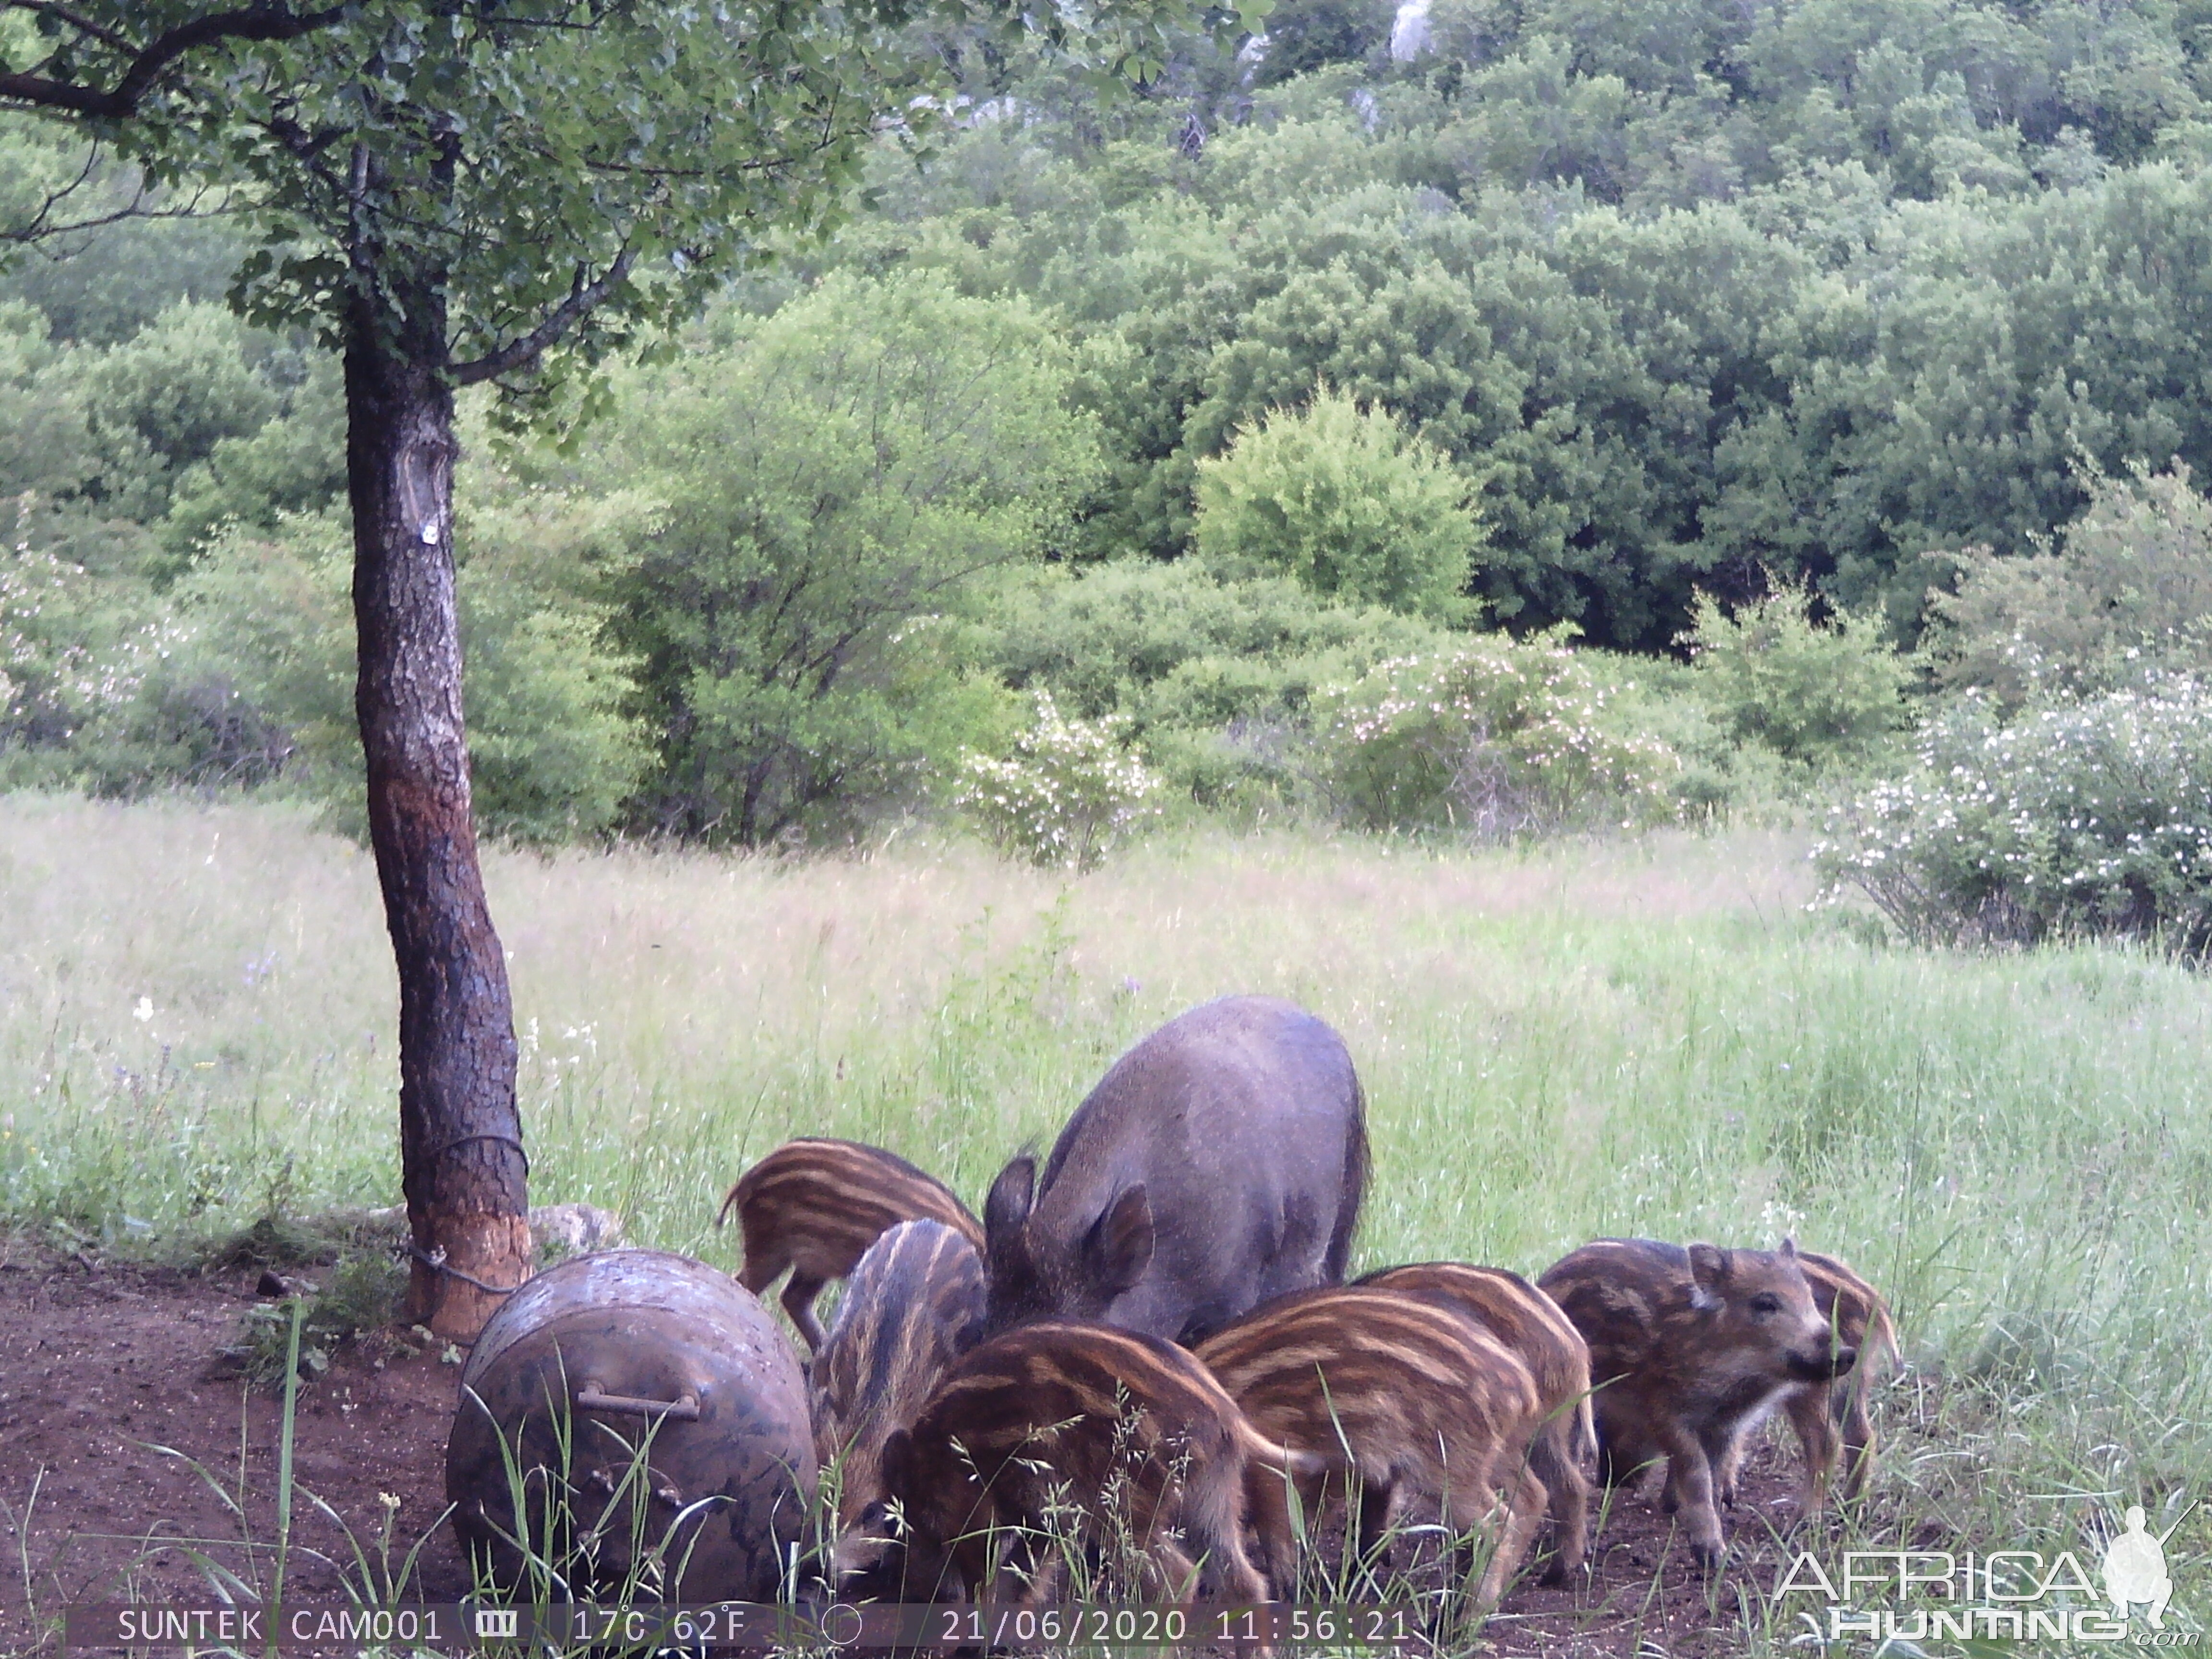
column 1650, row 1037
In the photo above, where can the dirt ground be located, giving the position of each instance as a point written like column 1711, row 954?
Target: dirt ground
column 102, row 1364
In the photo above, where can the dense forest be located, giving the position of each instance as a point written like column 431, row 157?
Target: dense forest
column 1726, row 377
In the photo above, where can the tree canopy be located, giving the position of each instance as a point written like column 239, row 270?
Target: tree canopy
column 561, row 170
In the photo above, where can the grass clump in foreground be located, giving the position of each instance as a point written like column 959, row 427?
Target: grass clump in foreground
column 1650, row 1036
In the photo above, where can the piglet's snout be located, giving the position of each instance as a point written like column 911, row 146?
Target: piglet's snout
column 1821, row 1362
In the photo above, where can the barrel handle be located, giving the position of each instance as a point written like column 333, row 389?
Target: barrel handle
column 684, row 1408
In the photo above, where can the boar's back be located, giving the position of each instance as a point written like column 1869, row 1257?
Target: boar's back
column 1244, row 1121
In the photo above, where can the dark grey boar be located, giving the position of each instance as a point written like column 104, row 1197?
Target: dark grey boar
column 1219, row 1164
column 1688, row 1349
column 913, row 1305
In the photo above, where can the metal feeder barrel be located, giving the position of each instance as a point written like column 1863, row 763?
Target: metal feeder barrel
column 654, row 1421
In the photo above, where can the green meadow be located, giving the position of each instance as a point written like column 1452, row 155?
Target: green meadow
column 1664, row 1035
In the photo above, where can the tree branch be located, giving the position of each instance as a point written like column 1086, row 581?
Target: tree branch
column 82, row 25
column 39, row 229
column 41, row 226
column 525, row 349
column 259, row 20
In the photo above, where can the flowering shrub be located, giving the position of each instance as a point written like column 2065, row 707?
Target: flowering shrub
column 2089, row 818
column 2129, row 586
column 1493, row 738
column 70, row 655
column 1069, row 793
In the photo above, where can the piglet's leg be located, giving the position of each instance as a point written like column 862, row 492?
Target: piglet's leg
column 1727, row 1470
column 1858, row 1432
column 1526, row 1500
column 798, row 1302
column 1816, row 1431
column 1690, row 1484
column 763, row 1266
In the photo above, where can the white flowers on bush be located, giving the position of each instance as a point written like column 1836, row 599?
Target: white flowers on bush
column 1493, row 738
column 1069, row 793
column 53, row 679
column 2088, row 818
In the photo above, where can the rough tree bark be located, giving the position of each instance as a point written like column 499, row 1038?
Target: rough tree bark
column 460, row 1136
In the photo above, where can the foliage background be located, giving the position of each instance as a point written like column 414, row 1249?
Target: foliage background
column 1849, row 352
column 1825, row 380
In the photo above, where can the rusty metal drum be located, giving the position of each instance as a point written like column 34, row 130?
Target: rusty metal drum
column 654, row 1421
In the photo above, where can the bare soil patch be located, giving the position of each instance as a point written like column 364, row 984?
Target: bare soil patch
column 101, row 1364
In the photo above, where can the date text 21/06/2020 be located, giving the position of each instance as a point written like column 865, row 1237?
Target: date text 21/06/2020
column 478, row 1627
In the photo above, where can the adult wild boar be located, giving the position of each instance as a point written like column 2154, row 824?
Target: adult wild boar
column 1219, row 1162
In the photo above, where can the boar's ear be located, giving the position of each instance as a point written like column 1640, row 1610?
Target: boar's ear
column 1006, row 1212
column 1790, row 1246
column 1709, row 1271
column 1119, row 1247
column 1008, row 1204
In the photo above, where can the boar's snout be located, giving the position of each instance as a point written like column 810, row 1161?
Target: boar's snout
column 1823, row 1363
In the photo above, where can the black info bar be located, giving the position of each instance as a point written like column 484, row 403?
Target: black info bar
column 481, row 1627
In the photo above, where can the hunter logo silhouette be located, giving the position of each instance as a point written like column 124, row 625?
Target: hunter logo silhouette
column 2135, row 1568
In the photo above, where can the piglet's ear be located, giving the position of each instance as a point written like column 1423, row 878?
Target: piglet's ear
column 891, row 1463
column 1709, row 1267
column 1790, row 1246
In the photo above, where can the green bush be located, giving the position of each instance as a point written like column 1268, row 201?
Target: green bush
column 555, row 740
column 1821, row 695
column 2088, row 818
column 2129, row 587
column 1718, row 773
column 45, row 444
column 161, row 402
column 1347, row 501
column 272, row 618
column 1215, row 678
column 556, row 754
column 1171, row 646
column 77, row 650
column 1494, row 739
column 294, row 463
column 1069, row 793
column 832, row 481
column 194, row 413
column 244, row 674
column 108, row 687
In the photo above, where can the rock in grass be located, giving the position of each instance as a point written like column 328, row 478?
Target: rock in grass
column 560, row 1229
column 565, row 1230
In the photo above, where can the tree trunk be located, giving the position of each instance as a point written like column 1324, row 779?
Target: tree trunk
column 461, row 1137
